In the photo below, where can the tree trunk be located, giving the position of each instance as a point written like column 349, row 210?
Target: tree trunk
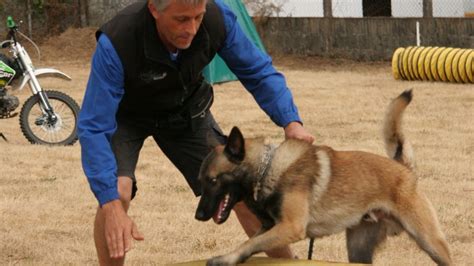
column 30, row 23
column 84, row 12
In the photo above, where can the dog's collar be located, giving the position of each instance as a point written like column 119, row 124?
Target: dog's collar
column 263, row 167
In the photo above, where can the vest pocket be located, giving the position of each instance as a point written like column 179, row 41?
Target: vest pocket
column 200, row 104
column 192, row 114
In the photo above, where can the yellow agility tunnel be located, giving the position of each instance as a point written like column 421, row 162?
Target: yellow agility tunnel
column 434, row 64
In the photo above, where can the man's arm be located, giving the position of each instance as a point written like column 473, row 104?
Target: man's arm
column 96, row 126
column 255, row 70
column 97, row 121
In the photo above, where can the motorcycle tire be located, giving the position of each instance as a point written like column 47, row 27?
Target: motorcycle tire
column 37, row 131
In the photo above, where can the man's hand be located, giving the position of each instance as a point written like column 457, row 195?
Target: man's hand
column 119, row 229
column 294, row 130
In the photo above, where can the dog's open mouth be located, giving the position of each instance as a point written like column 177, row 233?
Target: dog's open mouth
column 223, row 210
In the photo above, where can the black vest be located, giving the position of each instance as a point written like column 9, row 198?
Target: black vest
column 155, row 85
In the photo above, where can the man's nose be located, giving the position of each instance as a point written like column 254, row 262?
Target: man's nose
column 192, row 27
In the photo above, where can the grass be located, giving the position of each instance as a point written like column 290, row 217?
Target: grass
column 47, row 209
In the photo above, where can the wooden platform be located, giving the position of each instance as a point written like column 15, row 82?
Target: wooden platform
column 271, row 261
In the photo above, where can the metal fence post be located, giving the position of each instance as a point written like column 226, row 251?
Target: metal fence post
column 327, row 6
column 427, row 8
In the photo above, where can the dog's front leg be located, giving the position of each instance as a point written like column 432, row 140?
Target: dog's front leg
column 280, row 235
column 266, row 225
column 290, row 229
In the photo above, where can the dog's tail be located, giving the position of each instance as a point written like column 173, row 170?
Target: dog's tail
column 398, row 148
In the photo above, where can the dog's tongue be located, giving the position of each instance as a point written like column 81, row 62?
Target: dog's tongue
column 219, row 211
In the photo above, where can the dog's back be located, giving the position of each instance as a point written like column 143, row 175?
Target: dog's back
column 336, row 178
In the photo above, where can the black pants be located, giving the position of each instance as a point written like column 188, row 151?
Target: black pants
column 186, row 149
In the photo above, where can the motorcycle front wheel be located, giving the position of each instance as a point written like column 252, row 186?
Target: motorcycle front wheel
column 38, row 128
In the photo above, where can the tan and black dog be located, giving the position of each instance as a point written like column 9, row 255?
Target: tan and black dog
column 299, row 190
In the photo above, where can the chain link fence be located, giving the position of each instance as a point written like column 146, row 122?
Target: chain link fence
column 42, row 18
column 371, row 8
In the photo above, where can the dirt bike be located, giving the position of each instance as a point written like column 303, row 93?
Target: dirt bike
column 47, row 117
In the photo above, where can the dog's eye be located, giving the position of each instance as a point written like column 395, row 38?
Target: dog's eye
column 213, row 180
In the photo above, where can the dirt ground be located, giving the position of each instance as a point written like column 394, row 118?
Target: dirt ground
column 47, row 209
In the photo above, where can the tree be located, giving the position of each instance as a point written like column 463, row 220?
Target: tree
column 264, row 8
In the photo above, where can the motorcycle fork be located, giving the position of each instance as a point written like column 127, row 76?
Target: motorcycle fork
column 44, row 104
column 46, row 108
column 35, row 87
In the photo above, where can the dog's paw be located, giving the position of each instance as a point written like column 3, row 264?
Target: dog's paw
column 222, row 261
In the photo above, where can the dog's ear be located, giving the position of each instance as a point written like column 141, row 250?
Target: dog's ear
column 235, row 147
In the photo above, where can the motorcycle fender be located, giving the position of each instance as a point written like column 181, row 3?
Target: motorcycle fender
column 42, row 73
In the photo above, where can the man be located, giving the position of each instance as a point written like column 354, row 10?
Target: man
column 146, row 80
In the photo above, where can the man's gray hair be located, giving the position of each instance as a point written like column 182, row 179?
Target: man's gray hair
column 161, row 5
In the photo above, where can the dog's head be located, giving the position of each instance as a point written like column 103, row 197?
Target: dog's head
column 222, row 179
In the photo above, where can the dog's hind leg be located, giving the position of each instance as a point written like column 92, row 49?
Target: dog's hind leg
column 363, row 239
column 418, row 218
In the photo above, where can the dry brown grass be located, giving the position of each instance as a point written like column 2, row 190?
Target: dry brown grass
column 47, row 209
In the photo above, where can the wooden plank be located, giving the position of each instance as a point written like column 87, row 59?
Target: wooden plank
column 272, row 261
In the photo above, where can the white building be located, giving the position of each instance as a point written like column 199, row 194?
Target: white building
column 353, row 8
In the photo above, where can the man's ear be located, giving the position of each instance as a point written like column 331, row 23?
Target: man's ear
column 235, row 147
column 152, row 9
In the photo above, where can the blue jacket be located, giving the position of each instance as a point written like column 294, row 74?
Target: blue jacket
column 105, row 89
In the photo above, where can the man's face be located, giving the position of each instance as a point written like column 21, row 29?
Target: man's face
column 178, row 23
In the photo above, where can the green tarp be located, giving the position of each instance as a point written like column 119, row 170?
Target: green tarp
column 217, row 71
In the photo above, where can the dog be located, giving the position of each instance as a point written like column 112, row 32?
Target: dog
column 299, row 190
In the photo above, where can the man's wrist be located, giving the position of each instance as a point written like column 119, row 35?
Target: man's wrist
column 113, row 204
column 293, row 124
column 107, row 195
